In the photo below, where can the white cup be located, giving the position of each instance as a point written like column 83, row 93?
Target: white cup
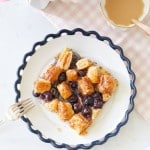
column 143, row 15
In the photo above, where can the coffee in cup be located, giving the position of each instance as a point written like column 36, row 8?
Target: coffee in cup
column 122, row 12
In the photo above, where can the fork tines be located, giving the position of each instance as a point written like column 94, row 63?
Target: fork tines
column 26, row 105
column 22, row 107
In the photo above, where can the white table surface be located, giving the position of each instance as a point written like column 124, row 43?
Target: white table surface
column 20, row 27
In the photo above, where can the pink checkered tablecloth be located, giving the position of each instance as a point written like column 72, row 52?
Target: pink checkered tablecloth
column 136, row 44
column 3, row 0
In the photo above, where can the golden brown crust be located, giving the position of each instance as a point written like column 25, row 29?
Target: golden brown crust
column 65, row 59
column 106, row 97
column 104, row 71
column 85, row 86
column 65, row 110
column 64, row 90
column 53, row 105
column 94, row 73
column 42, row 85
column 95, row 113
column 72, row 75
column 52, row 73
column 83, row 63
column 79, row 123
column 107, row 84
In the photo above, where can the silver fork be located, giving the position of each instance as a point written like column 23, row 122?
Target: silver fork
column 17, row 110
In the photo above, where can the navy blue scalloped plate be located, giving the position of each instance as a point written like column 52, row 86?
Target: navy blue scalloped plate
column 132, row 86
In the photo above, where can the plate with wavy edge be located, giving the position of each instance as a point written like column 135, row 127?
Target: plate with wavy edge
column 95, row 47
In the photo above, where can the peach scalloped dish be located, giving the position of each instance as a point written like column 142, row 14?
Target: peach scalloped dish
column 75, row 88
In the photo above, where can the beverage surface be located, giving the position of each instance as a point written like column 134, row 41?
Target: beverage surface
column 121, row 12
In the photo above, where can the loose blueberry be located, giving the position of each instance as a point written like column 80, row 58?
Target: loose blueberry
column 35, row 94
column 62, row 77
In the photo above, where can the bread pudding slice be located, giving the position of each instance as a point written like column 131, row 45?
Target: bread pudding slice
column 76, row 88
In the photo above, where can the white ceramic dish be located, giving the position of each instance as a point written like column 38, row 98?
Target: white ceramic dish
column 114, row 113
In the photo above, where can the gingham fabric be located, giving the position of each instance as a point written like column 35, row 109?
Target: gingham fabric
column 3, row 0
column 136, row 44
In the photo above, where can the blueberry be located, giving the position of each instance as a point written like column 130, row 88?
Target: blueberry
column 54, row 92
column 55, row 84
column 73, row 85
column 35, row 94
column 62, row 77
column 82, row 73
column 87, row 112
column 89, row 101
column 75, row 58
column 46, row 96
column 98, row 103
column 73, row 99
column 72, row 65
column 42, row 96
column 77, row 107
column 97, row 95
